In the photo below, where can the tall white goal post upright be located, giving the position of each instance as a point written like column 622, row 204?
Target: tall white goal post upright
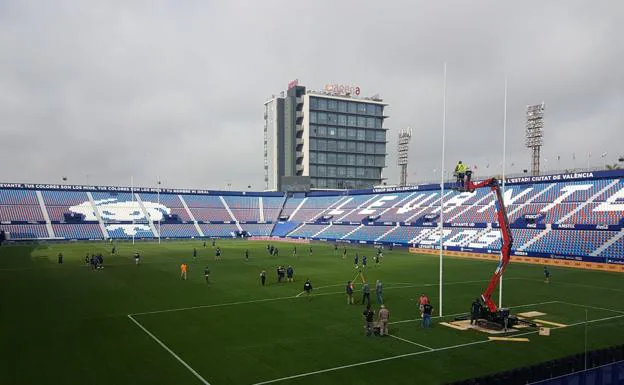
column 500, row 282
column 442, row 186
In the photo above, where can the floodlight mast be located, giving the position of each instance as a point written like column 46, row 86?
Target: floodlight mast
column 534, row 132
column 503, row 222
column 405, row 136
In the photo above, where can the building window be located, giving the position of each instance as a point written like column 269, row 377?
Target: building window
column 369, row 160
column 313, row 118
column 370, row 148
column 350, row 146
column 378, row 123
column 322, row 104
column 331, row 158
column 351, row 121
column 359, row 160
column 351, row 133
column 321, row 170
column 313, row 169
column 331, row 183
column 321, row 145
column 332, row 105
column 351, row 160
column 312, row 144
column 342, row 132
column 380, row 136
column 341, row 158
column 341, row 172
column 380, row 148
column 379, row 161
column 370, row 135
column 331, row 145
column 322, row 117
column 370, row 109
column 321, row 131
column 361, row 147
column 314, row 103
column 332, row 119
column 352, row 108
column 361, row 134
column 331, row 171
column 361, row 121
column 321, row 183
column 361, row 108
column 342, row 106
column 313, row 156
column 342, row 145
column 360, row 172
column 331, row 131
column 379, row 110
column 342, row 120
column 350, row 172
column 370, row 122
column 322, row 158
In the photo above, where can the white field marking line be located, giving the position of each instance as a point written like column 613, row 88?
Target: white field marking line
column 282, row 298
column 323, row 287
column 558, row 282
column 410, row 342
column 457, row 314
column 593, row 307
column 199, row 377
column 415, row 353
column 213, row 305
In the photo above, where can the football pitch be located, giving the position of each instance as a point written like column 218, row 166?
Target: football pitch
column 128, row 324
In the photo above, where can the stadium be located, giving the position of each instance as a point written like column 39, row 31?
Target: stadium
column 438, row 200
column 129, row 313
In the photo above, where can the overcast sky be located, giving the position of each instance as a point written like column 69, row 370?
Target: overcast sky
column 102, row 90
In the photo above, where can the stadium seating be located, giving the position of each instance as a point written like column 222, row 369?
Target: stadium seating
column 178, row 230
column 78, row 231
column 258, row 230
column 18, row 232
column 578, row 218
column 244, row 208
column 218, row 230
column 58, row 202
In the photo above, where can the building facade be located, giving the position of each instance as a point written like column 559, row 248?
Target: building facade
column 335, row 138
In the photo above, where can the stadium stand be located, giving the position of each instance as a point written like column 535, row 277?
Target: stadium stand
column 574, row 215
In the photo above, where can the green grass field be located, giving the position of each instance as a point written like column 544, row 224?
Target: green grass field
column 66, row 324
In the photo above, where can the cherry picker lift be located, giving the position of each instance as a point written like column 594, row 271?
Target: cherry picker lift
column 492, row 317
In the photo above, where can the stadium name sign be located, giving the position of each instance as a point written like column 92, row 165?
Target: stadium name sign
column 551, row 178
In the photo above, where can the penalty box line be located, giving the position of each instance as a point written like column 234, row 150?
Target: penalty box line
column 307, row 374
column 171, row 352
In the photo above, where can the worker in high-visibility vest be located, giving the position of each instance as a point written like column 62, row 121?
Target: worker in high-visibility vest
column 460, row 172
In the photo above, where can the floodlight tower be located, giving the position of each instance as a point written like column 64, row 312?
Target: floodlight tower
column 534, row 128
column 405, row 135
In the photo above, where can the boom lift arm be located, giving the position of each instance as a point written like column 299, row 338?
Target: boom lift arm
column 507, row 242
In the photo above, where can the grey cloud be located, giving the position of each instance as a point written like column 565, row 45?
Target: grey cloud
column 174, row 90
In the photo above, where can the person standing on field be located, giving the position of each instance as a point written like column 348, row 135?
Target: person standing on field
column 546, row 275
column 366, row 294
column 263, row 277
column 475, row 311
column 378, row 291
column 369, row 316
column 427, row 311
column 349, row 293
column 183, row 268
column 384, row 317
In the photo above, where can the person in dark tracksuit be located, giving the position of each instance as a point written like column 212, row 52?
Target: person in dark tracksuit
column 475, row 311
column 262, row 277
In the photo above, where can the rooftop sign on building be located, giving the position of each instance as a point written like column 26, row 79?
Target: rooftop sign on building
column 342, row 89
